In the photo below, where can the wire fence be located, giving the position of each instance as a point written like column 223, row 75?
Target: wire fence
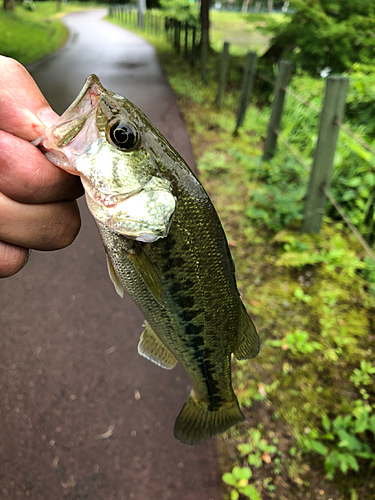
column 331, row 114
column 323, row 162
column 327, row 193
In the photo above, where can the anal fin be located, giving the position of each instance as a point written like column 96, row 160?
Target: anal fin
column 248, row 341
column 152, row 348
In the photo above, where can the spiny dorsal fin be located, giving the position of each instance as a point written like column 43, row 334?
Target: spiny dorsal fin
column 114, row 278
column 248, row 341
column 151, row 347
column 146, row 269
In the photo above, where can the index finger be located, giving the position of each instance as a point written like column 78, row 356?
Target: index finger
column 21, row 101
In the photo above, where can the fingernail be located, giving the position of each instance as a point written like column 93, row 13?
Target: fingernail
column 48, row 117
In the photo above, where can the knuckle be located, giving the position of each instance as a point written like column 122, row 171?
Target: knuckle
column 65, row 226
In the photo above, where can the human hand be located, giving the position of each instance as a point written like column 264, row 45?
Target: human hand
column 37, row 200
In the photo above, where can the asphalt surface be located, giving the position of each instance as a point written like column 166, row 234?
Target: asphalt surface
column 82, row 415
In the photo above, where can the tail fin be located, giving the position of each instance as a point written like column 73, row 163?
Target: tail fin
column 197, row 423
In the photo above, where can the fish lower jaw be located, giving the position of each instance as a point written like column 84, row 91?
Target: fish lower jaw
column 106, row 200
column 120, row 222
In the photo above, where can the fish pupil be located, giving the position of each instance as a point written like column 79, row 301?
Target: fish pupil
column 123, row 136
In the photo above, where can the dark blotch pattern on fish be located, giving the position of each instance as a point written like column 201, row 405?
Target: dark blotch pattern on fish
column 194, row 339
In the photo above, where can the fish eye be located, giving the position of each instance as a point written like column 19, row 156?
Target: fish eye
column 123, row 136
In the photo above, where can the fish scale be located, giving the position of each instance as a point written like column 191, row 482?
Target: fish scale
column 166, row 248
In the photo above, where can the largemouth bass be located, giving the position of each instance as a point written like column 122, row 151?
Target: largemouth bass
column 165, row 247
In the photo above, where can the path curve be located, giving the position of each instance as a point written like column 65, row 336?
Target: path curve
column 82, row 415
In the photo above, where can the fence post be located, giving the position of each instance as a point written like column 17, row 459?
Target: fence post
column 166, row 27
column 186, row 44
column 283, row 79
column 333, row 110
column 178, row 36
column 223, row 75
column 140, row 19
column 247, row 85
column 193, row 47
column 204, row 55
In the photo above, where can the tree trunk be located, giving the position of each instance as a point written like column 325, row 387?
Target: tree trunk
column 205, row 23
column 245, row 5
column 9, row 5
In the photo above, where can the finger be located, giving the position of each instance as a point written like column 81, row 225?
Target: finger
column 48, row 226
column 21, row 104
column 28, row 177
column 12, row 259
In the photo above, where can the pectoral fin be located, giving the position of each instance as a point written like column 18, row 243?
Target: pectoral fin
column 151, row 347
column 146, row 270
column 114, row 278
column 248, row 341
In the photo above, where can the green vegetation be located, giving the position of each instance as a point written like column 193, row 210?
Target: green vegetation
column 309, row 396
column 336, row 33
column 243, row 31
column 34, row 29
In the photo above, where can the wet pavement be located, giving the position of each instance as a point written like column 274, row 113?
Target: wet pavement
column 82, row 415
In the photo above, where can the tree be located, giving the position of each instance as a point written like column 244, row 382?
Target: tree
column 321, row 33
column 9, row 5
column 205, row 24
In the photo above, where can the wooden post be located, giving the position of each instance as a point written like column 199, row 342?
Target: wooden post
column 186, row 26
column 283, row 79
column 140, row 19
column 193, row 46
column 223, row 75
column 247, row 87
column 178, row 36
column 333, row 110
column 204, row 55
column 166, row 28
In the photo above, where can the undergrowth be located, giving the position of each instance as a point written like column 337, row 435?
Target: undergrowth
column 309, row 396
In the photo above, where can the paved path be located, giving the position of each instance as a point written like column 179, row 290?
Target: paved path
column 69, row 368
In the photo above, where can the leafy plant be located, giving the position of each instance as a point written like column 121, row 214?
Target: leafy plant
column 277, row 202
column 333, row 35
column 297, row 342
column 183, row 10
column 256, row 448
column 343, row 444
column 362, row 375
column 238, row 479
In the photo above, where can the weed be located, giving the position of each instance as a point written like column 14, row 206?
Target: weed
column 238, row 479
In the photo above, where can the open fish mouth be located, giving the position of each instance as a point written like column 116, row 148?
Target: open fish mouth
column 60, row 134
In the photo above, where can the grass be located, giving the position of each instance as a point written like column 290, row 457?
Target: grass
column 243, row 31
column 309, row 396
column 28, row 35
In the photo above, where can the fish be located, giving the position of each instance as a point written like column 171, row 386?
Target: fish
column 165, row 247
